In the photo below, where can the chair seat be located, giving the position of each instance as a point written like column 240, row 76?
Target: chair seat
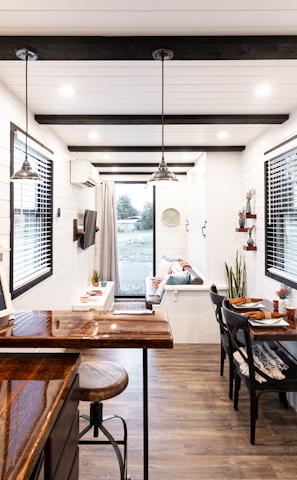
column 100, row 380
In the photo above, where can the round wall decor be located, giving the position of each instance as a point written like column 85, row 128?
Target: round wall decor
column 170, row 217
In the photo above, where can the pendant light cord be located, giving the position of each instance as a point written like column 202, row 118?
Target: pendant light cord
column 26, row 99
column 162, row 175
column 162, row 105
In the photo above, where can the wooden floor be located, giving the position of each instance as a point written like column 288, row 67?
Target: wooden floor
column 195, row 434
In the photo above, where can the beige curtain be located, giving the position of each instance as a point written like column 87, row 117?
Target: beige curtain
column 108, row 240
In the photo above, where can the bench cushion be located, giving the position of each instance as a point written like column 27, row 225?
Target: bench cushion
column 151, row 297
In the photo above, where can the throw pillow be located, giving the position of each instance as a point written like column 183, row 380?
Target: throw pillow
column 178, row 279
column 164, row 269
column 184, row 264
column 181, row 279
column 176, row 267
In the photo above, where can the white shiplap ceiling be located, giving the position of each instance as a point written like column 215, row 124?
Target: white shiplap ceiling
column 133, row 87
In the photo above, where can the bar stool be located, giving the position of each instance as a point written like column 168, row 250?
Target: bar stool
column 100, row 380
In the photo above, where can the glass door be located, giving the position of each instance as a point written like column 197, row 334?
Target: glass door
column 135, row 233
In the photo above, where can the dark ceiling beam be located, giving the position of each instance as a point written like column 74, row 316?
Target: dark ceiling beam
column 187, row 148
column 156, row 119
column 144, row 165
column 136, row 173
column 258, row 47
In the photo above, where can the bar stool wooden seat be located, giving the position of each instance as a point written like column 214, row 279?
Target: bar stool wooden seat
column 100, row 380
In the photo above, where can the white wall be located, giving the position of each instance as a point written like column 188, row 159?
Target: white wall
column 171, row 241
column 253, row 177
column 214, row 197
column 72, row 266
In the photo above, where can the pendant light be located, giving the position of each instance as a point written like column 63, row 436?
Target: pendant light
column 162, row 176
column 26, row 172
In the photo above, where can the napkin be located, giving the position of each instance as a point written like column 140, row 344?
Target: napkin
column 262, row 315
column 242, row 300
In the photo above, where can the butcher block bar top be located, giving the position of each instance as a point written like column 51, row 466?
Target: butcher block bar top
column 33, row 388
column 92, row 329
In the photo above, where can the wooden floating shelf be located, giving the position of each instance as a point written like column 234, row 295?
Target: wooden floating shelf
column 246, row 247
column 245, row 229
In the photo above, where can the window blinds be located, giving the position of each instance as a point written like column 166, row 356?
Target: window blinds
column 32, row 222
column 281, row 217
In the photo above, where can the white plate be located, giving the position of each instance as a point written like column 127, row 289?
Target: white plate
column 269, row 322
column 133, row 312
column 249, row 305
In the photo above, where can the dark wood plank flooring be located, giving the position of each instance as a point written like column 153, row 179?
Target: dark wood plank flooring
column 195, row 434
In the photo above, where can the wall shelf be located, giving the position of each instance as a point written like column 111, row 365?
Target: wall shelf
column 247, row 229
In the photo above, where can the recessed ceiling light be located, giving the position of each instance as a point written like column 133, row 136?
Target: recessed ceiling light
column 223, row 134
column 67, row 91
column 93, row 135
column 263, row 90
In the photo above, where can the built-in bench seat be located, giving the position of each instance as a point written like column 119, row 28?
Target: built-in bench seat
column 187, row 304
column 151, row 296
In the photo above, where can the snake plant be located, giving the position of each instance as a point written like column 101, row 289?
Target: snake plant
column 236, row 278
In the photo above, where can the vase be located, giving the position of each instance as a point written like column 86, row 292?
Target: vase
column 282, row 306
column 248, row 208
column 250, row 241
column 241, row 221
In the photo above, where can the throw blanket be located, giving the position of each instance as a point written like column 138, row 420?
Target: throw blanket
column 265, row 359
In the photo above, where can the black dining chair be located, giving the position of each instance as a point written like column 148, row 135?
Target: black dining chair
column 226, row 346
column 258, row 366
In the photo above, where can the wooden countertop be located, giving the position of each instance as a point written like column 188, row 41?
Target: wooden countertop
column 32, row 389
column 92, row 329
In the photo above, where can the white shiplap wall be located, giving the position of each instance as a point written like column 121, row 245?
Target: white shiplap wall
column 253, row 175
column 171, row 241
column 72, row 265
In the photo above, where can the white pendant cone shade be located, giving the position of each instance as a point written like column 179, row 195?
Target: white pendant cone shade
column 162, row 176
column 26, row 172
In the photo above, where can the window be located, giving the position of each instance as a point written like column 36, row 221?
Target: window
column 135, row 236
column 31, row 218
column 281, row 218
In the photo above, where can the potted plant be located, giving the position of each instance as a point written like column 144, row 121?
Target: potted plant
column 95, row 278
column 283, row 293
column 236, row 278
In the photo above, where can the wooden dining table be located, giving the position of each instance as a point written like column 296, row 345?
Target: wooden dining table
column 92, row 329
column 274, row 334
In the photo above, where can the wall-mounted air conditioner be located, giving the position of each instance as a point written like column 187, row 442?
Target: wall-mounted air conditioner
column 83, row 173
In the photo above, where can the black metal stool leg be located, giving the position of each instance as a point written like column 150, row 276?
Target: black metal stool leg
column 96, row 420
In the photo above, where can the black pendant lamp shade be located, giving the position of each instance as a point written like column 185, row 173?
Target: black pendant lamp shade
column 162, row 176
column 26, row 172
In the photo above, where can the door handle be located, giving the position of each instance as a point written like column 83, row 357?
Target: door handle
column 203, row 229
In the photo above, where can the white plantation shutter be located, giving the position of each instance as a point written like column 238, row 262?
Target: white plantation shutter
column 31, row 222
column 281, row 217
